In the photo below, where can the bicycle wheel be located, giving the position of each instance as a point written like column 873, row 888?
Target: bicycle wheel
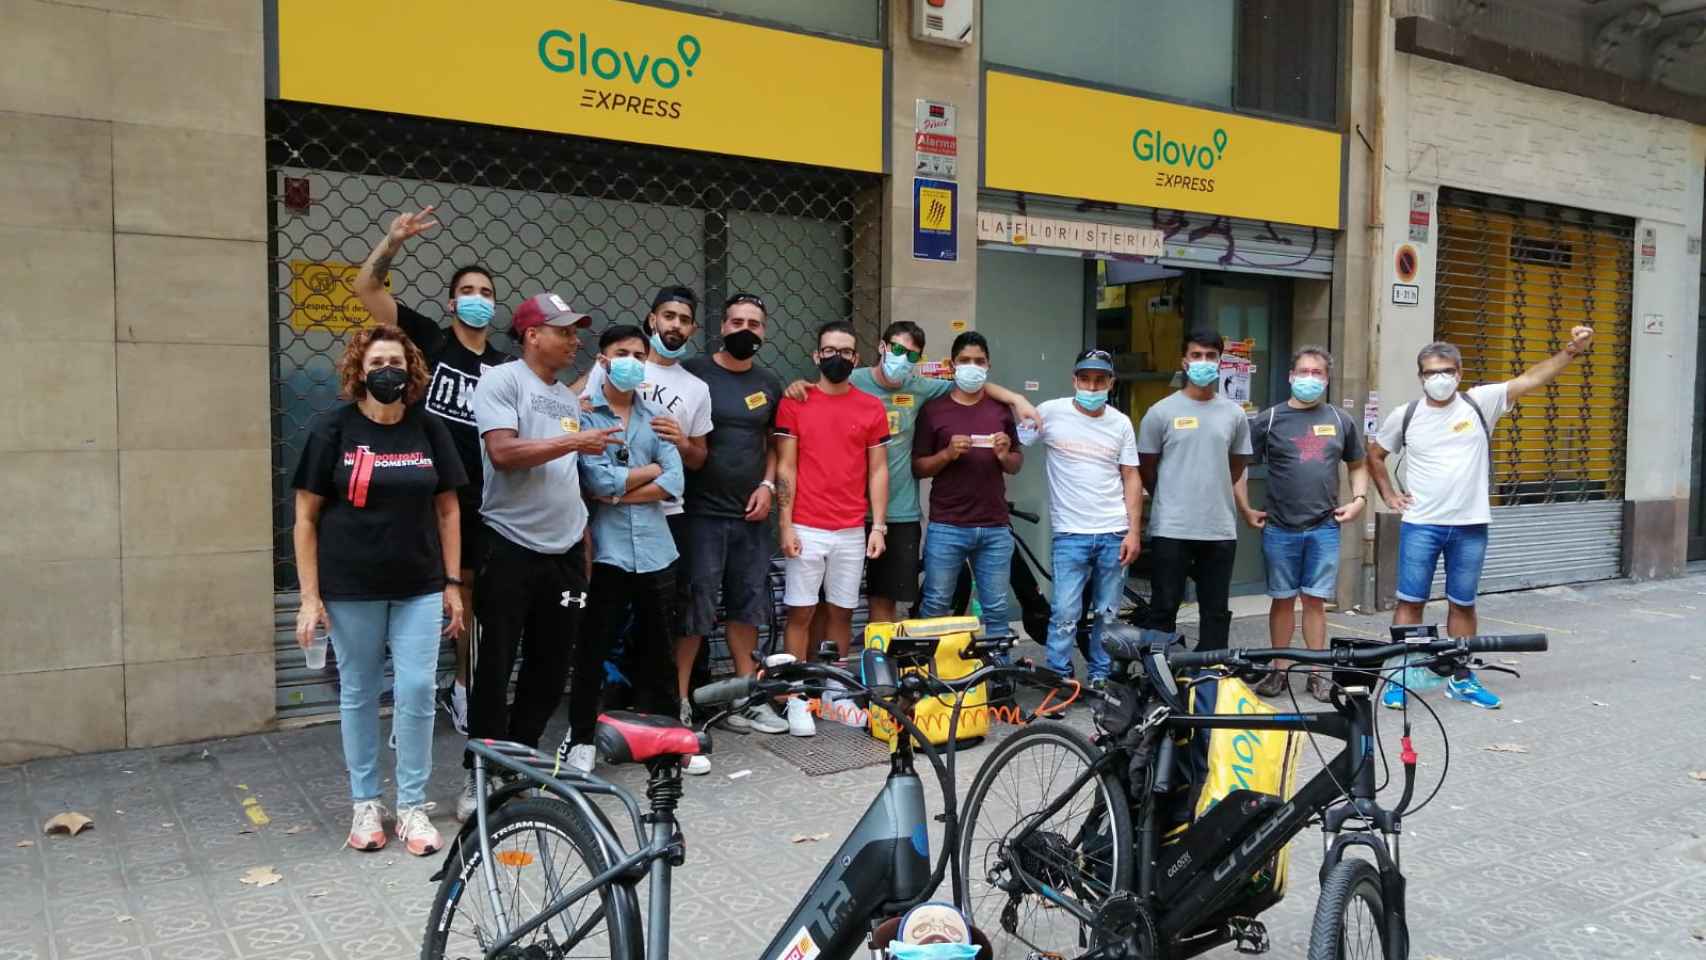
column 1350, row 917
column 1081, row 853
column 543, row 849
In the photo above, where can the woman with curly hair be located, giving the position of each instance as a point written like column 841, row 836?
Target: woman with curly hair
column 377, row 552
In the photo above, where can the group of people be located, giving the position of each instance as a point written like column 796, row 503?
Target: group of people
column 465, row 493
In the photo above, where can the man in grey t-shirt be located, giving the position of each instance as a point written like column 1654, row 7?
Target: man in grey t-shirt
column 532, row 566
column 1303, row 441
column 1191, row 450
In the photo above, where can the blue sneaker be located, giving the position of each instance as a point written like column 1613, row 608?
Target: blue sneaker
column 1469, row 690
column 1393, row 698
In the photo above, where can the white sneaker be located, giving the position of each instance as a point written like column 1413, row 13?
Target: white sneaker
column 459, row 707
column 839, row 705
column 582, row 757
column 757, row 717
column 800, row 722
column 367, row 826
column 466, row 803
column 697, row 765
column 415, row 829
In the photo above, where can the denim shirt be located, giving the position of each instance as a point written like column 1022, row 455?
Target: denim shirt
column 634, row 537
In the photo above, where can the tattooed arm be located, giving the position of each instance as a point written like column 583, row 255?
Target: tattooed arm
column 371, row 281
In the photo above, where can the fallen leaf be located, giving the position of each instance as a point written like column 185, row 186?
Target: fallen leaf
column 123, row 918
column 1505, row 748
column 740, row 773
column 808, row 837
column 26, row 843
column 1599, row 703
column 1696, row 774
column 70, row 823
column 318, row 894
column 260, row 876
column 293, row 831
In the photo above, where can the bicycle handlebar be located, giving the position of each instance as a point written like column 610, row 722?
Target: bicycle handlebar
column 1362, row 656
column 724, row 691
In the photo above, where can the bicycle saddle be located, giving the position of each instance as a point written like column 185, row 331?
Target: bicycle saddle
column 1123, row 641
column 626, row 737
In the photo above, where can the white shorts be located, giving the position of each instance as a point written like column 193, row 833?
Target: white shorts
column 833, row 560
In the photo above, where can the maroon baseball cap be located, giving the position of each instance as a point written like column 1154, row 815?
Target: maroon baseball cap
column 547, row 310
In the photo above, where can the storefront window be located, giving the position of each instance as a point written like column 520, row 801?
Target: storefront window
column 859, row 19
column 1276, row 57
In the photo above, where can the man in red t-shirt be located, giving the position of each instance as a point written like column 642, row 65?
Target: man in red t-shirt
column 831, row 469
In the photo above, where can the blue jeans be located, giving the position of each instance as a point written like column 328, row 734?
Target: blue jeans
column 1302, row 561
column 1420, row 546
column 1083, row 560
column 360, row 631
column 990, row 550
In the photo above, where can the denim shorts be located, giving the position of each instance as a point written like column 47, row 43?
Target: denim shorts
column 1302, row 561
column 1420, row 546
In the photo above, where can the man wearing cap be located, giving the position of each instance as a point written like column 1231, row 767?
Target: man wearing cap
column 457, row 357
column 1095, row 507
column 532, row 566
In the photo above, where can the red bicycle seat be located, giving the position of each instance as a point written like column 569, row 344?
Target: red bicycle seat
column 625, row 737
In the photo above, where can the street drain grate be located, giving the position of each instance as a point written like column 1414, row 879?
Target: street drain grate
column 835, row 749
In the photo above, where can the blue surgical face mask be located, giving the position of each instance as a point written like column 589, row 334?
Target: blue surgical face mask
column 970, row 377
column 626, row 373
column 662, row 349
column 1203, row 373
column 1092, row 400
column 897, row 368
column 1308, row 389
column 474, row 310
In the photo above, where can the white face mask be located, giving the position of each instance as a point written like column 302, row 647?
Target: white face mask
column 1439, row 386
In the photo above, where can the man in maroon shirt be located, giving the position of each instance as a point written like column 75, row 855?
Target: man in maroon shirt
column 831, row 467
column 969, row 444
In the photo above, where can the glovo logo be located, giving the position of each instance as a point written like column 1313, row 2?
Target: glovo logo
column 564, row 52
column 1152, row 145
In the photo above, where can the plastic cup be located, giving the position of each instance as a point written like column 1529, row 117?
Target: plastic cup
column 315, row 655
column 1027, row 434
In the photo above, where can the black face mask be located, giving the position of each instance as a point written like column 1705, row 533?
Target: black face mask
column 742, row 344
column 387, row 384
column 836, row 369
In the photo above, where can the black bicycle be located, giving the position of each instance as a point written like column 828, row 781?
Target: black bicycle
column 1074, row 846
column 548, row 877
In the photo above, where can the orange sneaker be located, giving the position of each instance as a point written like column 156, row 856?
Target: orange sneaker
column 367, row 832
column 416, row 831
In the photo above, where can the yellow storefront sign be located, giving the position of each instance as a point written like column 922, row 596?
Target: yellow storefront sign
column 597, row 68
column 1054, row 138
column 323, row 298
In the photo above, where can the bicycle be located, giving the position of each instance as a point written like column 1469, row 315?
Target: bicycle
column 1078, row 867
column 584, row 895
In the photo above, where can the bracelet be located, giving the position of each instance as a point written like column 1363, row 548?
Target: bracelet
column 881, row 528
column 453, row 581
column 768, row 485
column 1361, row 496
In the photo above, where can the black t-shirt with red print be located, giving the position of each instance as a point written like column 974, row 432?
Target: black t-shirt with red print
column 379, row 527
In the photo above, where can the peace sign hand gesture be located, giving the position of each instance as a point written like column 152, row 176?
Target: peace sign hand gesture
column 409, row 225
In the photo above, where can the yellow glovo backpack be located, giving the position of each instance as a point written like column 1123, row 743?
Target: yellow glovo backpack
column 951, row 636
column 1220, row 763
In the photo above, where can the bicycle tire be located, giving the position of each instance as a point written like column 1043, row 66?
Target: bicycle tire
column 555, row 817
column 1109, row 807
column 1351, row 882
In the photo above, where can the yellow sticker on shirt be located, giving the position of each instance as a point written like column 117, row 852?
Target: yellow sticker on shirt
column 571, row 425
column 1326, row 430
column 1460, row 426
column 1184, row 423
column 903, row 399
column 756, row 400
column 894, row 424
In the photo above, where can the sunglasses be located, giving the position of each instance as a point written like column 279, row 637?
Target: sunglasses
column 751, row 298
column 1097, row 355
column 621, row 455
column 900, row 350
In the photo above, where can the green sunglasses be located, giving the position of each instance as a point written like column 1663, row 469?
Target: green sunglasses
column 900, row 351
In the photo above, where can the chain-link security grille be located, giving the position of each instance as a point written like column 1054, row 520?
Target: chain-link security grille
column 604, row 224
column 1514, row 276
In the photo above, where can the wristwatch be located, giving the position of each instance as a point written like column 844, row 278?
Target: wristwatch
column 768, row 485
column 881, row 528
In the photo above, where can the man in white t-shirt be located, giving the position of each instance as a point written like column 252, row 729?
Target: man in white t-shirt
column 1446, row 440
column 1095, row 507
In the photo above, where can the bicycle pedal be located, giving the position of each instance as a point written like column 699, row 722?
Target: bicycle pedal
column 1249, row 936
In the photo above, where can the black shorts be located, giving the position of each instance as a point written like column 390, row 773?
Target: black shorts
column 473, row 532
column 730, row 558
column 894, row 575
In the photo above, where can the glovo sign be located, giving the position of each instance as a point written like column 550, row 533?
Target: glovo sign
column 1046, row 137
column 597, row 68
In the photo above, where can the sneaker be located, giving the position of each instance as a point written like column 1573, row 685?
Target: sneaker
column 1272, row 685
column 459, row 708
column 696, row 765
column 1393, row 698
column 800, row 722
column 367, row 831
column 466, row 803
column 582, row 757
column 1469, row 690
column 415, row 829
column 685, row 713
column 1321, row 688
column 757, row 717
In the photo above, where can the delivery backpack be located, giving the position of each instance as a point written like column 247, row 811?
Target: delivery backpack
column 1232, row 781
